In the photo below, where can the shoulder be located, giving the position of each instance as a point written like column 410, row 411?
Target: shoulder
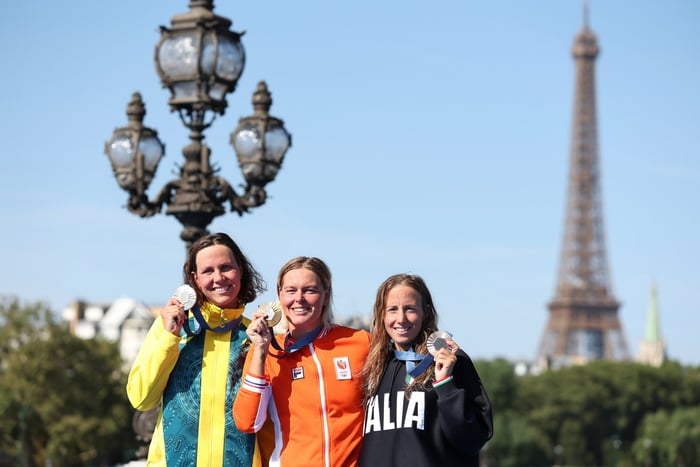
column 345, row 332
column 464, row 361
column 345, row 339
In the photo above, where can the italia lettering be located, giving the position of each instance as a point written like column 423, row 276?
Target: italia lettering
column 382, row 415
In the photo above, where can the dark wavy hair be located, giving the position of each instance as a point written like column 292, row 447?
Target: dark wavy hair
column 381, row 346
column 252, row 283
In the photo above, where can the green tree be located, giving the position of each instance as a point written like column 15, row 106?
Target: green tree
column 594, row 411
column 498, row 377
column 573, row 442
column 515, row 443
column 572, row 408
column 669, row 438
column 63, row 396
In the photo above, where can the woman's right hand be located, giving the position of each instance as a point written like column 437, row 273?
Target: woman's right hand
column 259, row 332
column 173, row 316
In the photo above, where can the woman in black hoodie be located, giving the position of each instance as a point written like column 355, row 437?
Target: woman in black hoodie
column 424, row 402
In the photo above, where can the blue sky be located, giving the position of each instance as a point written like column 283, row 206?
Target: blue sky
column 428, row 137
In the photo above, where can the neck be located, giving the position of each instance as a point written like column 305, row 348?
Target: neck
column 299, row 332
column 403, row 347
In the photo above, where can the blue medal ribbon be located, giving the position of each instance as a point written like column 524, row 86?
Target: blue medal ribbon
column 411, row 358
column 200, row 323
column 290, row 348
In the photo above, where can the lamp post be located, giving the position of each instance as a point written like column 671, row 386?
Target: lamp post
column 199, row 59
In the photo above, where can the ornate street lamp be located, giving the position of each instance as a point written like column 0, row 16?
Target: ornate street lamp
column 199, row 60
column 260, row 142
column 135, row 152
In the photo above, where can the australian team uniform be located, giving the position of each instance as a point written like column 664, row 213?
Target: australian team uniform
column 195, row 378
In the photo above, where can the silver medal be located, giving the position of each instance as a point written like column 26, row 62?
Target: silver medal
column 186, row 296
column 437, row 341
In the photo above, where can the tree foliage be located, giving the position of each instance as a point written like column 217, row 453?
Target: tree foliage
column 602, row 413
column 669, row 438
column 498, row 376
column 62, row 397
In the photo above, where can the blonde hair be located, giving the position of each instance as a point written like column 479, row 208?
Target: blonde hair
column 323, row 274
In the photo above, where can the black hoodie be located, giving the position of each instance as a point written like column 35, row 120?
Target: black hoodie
column 445, row 425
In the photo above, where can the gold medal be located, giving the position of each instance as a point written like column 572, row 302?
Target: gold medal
column 273, row 312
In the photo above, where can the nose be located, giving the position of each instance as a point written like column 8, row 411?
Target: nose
column 298, row 296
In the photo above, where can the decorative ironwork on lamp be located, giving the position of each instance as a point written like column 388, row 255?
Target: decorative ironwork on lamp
column 199, row 59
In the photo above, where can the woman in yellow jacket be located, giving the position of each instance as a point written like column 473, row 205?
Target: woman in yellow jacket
column 308, row 385
column 191, row 362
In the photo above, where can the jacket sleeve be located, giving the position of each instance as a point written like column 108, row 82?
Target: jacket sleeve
column 250, row 404
column 464, row 408
column 151, row 369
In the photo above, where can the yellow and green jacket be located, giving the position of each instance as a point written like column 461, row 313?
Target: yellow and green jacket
column 194, row 378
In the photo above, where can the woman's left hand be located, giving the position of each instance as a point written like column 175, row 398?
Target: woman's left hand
column 445, row 360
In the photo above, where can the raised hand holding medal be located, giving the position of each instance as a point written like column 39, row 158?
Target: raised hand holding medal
column 265, row 318
column 444, row 352
column 174, row 313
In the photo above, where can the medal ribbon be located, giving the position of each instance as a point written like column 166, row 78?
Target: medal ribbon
column 305, row 340
column 200, row 323
column 411, row 357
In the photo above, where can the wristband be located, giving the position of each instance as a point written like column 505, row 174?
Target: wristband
column 442, row 381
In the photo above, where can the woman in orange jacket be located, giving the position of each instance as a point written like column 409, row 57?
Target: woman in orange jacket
column 308, row 384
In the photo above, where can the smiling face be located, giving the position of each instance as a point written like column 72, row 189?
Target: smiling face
column 303, row 299
column 403, row 315
column 218, row 276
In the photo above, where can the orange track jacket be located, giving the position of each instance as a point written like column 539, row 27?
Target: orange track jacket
column 313, row 398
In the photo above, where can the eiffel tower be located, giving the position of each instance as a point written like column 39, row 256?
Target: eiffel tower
column 583, row 321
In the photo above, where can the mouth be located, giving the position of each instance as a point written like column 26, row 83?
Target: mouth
column 402, row 330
